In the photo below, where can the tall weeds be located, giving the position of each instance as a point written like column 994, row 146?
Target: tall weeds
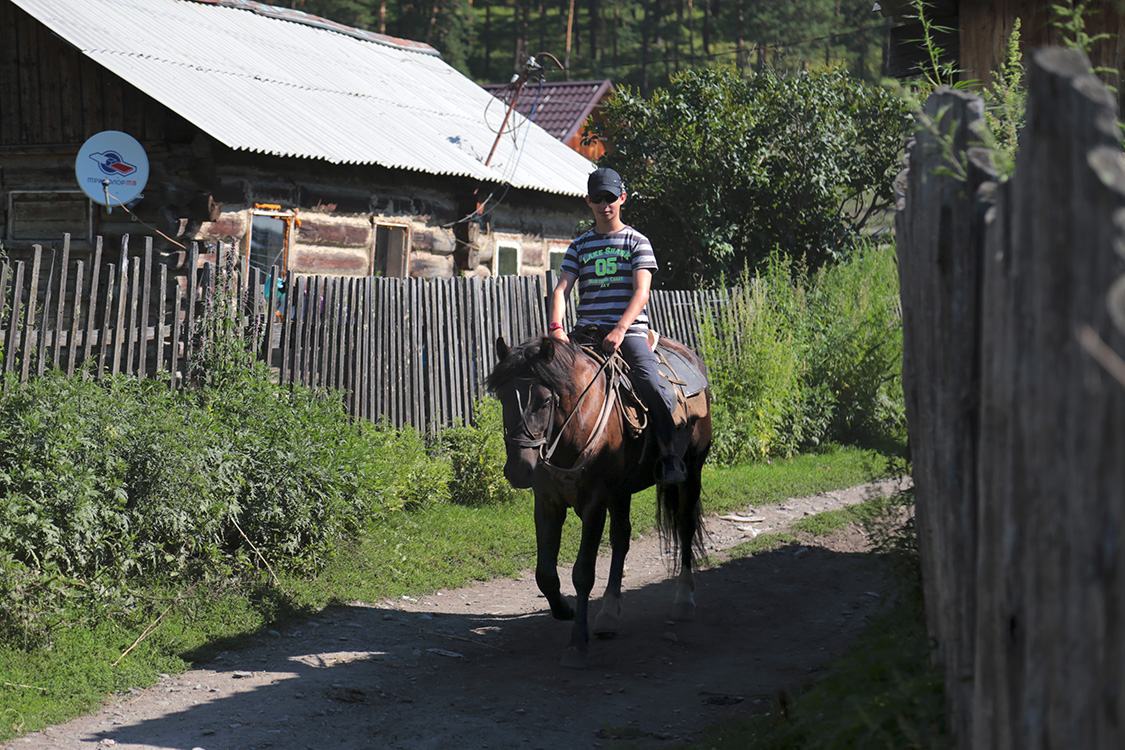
column 797, row 360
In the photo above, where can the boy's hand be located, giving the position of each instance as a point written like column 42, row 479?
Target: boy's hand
column 613, row 339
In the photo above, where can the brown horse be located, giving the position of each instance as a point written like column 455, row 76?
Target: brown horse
column 568, row 438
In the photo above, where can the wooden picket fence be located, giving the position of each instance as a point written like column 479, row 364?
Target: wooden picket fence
column 1013, row 297
column 409, row 351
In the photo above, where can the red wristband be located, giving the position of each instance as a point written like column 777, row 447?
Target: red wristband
column 552, row 326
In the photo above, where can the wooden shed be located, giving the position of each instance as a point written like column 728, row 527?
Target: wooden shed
column 324, row 148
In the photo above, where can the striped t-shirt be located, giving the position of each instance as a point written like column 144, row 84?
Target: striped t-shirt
column 604, row 265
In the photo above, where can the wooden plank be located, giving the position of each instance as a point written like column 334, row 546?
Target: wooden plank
column 324, row 330
column 329, row 349
column 132, row 334
column 299, row 324
column 29, row 318
column 417, row 363
column 107, row 321
column 42, row 335
column 287, row 325
column 121, row 308
column 92, row 311
column 369, row 335
column 190, row 323
column 382, row 321
column 175, row 361
column 356, row 390
column 12, row 342
column 430, row 359
column 362, row 294
column 5, row 273
column 273, row 298
column 350, row 343
column 57, row 342
column 400, row 386
column 75, row 320
column 146, row 300
column 161, row 319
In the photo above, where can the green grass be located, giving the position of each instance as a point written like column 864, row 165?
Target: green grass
column 441, row 545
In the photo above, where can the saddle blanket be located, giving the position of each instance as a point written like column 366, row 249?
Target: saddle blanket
column 680, row 371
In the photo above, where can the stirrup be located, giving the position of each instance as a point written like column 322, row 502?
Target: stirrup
column 670, row 470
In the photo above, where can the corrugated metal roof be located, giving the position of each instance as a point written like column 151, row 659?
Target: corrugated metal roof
column 560, row 107
column 266, row 80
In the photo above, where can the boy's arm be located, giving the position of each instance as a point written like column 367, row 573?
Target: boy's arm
column 556, row 314
column 642, row 282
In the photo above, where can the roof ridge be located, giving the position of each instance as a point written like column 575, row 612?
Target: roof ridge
column 300, row 16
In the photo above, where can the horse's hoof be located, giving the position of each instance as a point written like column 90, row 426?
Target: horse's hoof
column 683, row 611
column 605, row 626
column 564, row 610
column 573, row 658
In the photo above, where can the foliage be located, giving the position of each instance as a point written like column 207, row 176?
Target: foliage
column 798, row 359
column 1006, row 100
column 477, row 456
column 722, row 171
column 119, row 481
column 631, row 42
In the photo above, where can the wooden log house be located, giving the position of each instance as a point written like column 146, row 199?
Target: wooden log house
column 317, row 147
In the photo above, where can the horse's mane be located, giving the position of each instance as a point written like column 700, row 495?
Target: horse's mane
column 547, row 361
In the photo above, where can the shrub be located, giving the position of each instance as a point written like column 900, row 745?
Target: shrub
column 477, row 456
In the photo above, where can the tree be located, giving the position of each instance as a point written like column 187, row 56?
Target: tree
column 722, row 170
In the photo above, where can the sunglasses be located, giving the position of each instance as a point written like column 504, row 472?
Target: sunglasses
column 604, row 198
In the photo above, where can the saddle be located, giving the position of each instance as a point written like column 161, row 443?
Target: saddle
column 688, row 381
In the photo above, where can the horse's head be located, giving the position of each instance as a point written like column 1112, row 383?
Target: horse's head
column 528, row 381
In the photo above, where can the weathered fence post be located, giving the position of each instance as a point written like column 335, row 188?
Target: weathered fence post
column 1017, row 424
column 939, row 240
column 1051, row 625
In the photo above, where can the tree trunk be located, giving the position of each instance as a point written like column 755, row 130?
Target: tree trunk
column 569, row 36
column 592, row 7
column 487, row 39
column 646, row 40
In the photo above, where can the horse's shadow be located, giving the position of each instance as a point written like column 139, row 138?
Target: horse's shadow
column 358, row 676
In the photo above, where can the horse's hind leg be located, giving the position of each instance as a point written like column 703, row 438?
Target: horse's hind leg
column 605, row 626
column 593, row 524
column 549, row 518
column 688, row 520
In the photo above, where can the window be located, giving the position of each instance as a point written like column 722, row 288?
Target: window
column 392, row 251
column 48, row 214
column 270, row 236
column 271, row 229
column 557, row 250
column 506, row 260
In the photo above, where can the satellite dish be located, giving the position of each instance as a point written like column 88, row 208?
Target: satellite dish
column 112, row 168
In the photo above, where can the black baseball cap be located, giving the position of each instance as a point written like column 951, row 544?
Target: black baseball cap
column 604, row 180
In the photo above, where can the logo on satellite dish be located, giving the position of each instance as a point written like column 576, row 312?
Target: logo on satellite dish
column 112, row 168
column 111, row 163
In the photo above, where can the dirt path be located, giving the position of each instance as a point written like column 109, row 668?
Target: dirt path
column 478, row 667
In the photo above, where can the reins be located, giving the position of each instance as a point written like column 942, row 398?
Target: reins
column 606, row 407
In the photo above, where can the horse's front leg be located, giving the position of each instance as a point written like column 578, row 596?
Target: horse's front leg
column 593, row 523
column 549, row 518
column 620, row 529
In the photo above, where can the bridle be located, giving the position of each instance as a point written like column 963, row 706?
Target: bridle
column 526, row 439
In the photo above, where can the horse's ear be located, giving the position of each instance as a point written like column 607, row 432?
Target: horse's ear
column 502, row 349
column 547, row 348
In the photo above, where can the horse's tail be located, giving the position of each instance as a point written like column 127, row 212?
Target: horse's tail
column 679, row 518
